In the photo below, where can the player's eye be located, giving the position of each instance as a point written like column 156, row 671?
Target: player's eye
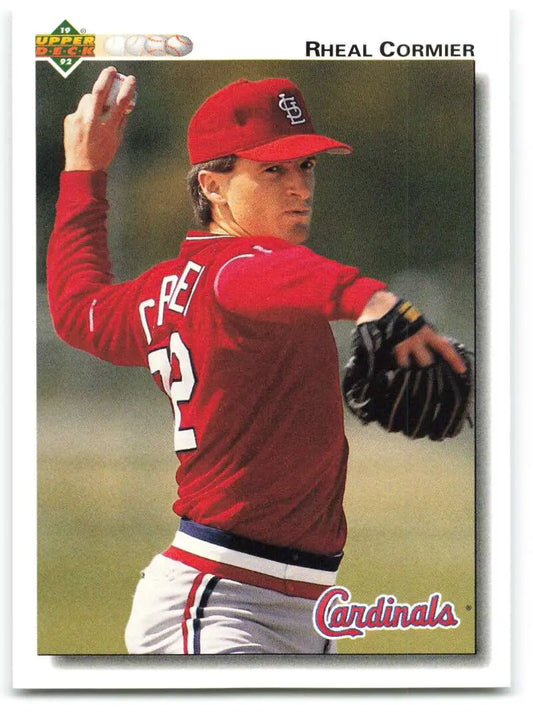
column 273, row 169
column 309, row 163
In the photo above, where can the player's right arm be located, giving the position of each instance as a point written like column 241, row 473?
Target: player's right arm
column 92, row 137
column 89, row 311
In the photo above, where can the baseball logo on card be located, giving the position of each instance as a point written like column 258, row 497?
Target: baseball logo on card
column 336, row 617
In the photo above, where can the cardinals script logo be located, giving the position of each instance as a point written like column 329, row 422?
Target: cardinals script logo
column 335, row 616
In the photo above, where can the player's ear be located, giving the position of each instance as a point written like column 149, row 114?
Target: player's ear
column 210, row 185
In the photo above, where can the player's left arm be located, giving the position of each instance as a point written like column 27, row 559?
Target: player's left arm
column 285, row 283
column 294, row 282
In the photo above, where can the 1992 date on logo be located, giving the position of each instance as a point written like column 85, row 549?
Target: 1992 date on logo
column 335, row 616
column 65, row 47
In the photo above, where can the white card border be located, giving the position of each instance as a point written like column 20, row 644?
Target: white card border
column 32, row 671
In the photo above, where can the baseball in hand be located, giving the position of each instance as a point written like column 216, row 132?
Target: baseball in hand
column 113, row 93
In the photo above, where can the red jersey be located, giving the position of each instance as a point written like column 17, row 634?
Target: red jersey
column 235, row 331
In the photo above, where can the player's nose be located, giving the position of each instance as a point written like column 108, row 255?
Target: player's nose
column 301, row 184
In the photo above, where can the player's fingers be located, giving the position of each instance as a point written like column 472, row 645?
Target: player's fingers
column 84, row 103
column 102, row 87
column 82, row 112
column 104, row 80
column 126, row 97
column 402, row 354
column 413, row 350
column 445, row 348
column 126, row 92
column 417, row 348
column 423, row 355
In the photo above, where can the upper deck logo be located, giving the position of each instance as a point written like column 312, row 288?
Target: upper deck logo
column 293, row 112
column 65, row 47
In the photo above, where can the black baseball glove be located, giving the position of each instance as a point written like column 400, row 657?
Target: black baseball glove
column 432, row 401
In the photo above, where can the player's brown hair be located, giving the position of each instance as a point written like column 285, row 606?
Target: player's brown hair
column 200, row 203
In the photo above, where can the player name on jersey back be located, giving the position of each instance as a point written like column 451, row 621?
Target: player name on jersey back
column 175, row 295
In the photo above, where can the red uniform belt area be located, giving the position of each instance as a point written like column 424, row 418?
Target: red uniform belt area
column 289, row 571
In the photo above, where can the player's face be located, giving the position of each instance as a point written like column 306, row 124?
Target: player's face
column 273, row 198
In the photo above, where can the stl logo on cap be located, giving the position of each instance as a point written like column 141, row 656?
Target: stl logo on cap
column 264, row 121
column 289, row 105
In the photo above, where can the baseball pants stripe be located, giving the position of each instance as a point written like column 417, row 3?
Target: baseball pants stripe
column 201, row 590
column 211, row 584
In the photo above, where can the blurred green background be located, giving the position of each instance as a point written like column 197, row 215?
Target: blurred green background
column 401, row 208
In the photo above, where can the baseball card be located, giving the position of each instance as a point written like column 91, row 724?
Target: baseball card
column 257, row 441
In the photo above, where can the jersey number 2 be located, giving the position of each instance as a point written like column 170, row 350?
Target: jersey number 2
column 179, row 390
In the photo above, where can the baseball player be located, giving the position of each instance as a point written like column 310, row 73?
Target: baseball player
column 235, row 331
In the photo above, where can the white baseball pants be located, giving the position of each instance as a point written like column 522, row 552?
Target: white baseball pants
column 180, row 610
column 213, row 592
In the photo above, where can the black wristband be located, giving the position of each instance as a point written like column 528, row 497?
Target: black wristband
column 401, row 322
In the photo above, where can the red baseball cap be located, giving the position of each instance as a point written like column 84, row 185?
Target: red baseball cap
column 266, row 121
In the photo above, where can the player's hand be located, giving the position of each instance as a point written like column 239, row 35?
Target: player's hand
column 93, row 133
column 422, row 346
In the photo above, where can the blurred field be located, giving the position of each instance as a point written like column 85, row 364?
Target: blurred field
column 106, row 486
